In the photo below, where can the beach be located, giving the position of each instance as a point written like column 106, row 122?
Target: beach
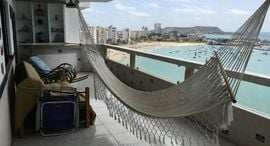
column 145, row 46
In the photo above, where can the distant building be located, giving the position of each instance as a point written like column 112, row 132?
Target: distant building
column 126, row 35
column 99, row 34
column 112, row 35
column 119, row 36
column 157, row 28
column 135, row 36
column 193, row 37
column 144, row 32
column 93, row 31
column 102, row 34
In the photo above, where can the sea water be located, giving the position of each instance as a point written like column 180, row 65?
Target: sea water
column 262, row 36
column 253, row 96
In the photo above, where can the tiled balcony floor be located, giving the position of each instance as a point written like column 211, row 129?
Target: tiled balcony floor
column 105, row 132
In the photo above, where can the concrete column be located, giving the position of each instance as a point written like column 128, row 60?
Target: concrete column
column 132, row 60
column 188, row 72
column 102, row 50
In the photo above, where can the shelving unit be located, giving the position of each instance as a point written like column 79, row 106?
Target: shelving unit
column 40, row 22
column 56, row 23
column 24, row 22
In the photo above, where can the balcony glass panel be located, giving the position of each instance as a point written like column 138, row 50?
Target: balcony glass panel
column 164, row 70
column 118, row 56
column 254, row 96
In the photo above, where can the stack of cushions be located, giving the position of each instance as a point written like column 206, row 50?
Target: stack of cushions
column 27, row 91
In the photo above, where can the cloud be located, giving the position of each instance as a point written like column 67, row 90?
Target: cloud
column 196, row 10
column 124, row 8
column 153, row 4
column 88, row 10
column 178, row 0
column 131, row 10
column 92, row 10
column 185, row 1
column 238, row 12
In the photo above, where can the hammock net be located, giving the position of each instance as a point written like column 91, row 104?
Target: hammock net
column 190, row 113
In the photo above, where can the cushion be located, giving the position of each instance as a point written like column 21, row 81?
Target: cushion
column 39, row 64
column 31, row 72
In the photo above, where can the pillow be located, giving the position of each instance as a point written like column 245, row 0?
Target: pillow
column 39, row 64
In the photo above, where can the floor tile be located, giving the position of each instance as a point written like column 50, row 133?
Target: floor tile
column 103, row 141
column 116, row 128
column 93, row 131
column 127, row 139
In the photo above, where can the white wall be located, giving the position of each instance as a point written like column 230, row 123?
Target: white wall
column 5, row 124
column 72, row 25
column 53, row 58
column 54, row 55
column 9, row 26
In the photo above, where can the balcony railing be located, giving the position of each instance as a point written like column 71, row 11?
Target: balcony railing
column 190, row 66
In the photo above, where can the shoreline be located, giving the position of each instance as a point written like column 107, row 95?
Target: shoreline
column 147, row 46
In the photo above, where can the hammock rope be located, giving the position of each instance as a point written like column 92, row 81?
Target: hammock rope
column 190, row 113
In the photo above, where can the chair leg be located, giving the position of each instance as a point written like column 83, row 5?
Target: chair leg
column 87, row 108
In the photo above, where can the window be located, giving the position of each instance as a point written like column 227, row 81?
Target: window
column 2, row 54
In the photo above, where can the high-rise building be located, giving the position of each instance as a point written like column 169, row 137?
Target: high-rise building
column 93, row 31
column 112, row 34
column 157, row 28
column 102, row 34
column 134, row 35
column 99, row 34
column 126, row 35
column 144, row 31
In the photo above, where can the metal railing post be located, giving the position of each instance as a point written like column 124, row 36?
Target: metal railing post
column 188, row 72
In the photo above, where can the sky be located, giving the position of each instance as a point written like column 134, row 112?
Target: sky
column 228, row 15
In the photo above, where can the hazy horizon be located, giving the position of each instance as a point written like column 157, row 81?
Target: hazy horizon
column 228, row 15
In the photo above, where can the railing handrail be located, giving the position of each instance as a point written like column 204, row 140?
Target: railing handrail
column 248, row 76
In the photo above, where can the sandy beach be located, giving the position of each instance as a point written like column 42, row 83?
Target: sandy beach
column 145, row 46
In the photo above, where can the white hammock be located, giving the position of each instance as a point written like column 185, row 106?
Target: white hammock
column 192, row 111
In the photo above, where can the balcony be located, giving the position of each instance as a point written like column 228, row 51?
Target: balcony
column 105, row 132
column 108, row 132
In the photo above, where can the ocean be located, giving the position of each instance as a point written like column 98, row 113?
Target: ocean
column 262, row 36
column 253, row 96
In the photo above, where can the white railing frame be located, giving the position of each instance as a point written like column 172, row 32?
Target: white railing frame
column 249, row 77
